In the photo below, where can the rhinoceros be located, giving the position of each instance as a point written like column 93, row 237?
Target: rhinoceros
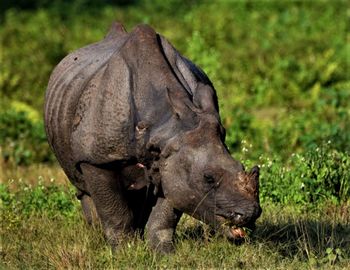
column 136, row 128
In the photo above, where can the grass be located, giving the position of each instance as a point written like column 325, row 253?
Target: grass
column 53, row 235
column 31, row 173
column 280, row 71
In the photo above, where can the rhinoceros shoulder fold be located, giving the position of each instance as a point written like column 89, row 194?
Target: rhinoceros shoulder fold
column 105, row 125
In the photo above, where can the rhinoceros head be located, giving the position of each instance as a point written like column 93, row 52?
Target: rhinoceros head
column 199, row 176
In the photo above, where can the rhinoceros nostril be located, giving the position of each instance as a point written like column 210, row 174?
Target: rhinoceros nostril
column 237, row 217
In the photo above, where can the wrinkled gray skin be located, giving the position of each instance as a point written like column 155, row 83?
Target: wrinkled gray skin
column 136, row 128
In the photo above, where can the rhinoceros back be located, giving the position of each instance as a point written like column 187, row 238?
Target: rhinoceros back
column 88, row 110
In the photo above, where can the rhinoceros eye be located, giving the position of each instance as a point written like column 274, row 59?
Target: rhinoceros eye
column 209, row 178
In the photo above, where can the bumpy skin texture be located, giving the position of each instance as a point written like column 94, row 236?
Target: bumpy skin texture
column 136, row 128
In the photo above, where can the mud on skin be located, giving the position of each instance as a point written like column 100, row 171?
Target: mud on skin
column 136, row 128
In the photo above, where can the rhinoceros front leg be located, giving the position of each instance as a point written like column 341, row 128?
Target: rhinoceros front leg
column 107, row 193
column 161, row 226
column 89, row 209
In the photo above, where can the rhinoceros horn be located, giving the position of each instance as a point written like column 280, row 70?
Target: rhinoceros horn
column 248, row 183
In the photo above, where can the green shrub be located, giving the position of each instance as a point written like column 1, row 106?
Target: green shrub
column 23, row 141
column 29, row 200
column 31, row 46
column 319, row 175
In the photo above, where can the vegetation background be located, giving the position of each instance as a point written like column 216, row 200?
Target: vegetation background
column 281, row 71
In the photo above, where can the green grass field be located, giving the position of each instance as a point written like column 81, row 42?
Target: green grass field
column 281, row 71
column 42, row 228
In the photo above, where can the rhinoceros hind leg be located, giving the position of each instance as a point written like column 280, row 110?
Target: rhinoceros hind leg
column 108, row 196
column 161, row 226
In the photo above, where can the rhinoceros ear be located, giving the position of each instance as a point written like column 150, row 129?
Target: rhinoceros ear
column 182, row 105
column 206, row 99
column 204, row 95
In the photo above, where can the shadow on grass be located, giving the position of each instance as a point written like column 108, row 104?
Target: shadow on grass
column 309, row 237
column 303, row 238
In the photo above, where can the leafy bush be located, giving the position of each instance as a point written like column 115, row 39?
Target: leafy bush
column 25, row 70
column 320, row 174
column 29, row 200
column 23, row 141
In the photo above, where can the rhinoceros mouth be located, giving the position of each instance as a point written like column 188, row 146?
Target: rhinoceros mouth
column 235, row 232
column 231, row 230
